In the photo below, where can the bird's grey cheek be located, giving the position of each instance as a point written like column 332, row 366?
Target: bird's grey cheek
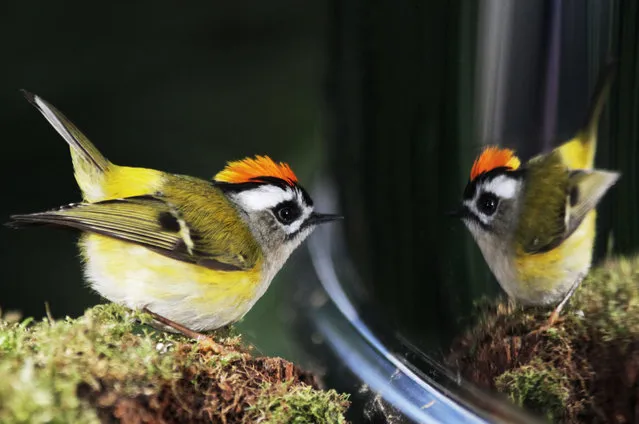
column 305, row 233
column 268, row 227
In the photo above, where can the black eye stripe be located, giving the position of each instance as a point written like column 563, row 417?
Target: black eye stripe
column 287, row 212
column 487, row 203
column 469, row 215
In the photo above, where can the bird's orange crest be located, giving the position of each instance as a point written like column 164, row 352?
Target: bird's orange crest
column 251, row 169
column 493, row 157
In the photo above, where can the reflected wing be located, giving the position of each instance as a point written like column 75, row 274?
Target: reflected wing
column 561, row 207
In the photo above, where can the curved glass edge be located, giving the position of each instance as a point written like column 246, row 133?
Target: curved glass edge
column 412, row 392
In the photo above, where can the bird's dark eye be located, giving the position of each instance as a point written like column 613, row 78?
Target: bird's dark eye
column 487, row 203
column 287, row 212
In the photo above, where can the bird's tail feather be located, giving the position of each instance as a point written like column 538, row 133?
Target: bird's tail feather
column 89, row 164
column 579, row 152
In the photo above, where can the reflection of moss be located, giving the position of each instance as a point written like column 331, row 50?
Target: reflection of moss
column 583, row 369
column 102, row 366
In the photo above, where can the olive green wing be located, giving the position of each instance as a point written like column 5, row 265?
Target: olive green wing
column 153, row 223
column 556, row 202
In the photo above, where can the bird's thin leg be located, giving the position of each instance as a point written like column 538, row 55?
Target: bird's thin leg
column 554, row 316
column 179, row 327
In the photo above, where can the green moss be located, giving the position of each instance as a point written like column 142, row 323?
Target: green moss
column 42, row 364
column 609, row 299
column 107, row 365
column 300, row 405
column 577, row 370
column 538, row 387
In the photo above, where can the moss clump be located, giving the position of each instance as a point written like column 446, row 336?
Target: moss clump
column 536, row 386
column 108, row 366
column 583, row 369
column 299, row 405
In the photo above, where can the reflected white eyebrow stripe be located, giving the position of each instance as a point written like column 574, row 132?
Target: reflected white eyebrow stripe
column 502, row 186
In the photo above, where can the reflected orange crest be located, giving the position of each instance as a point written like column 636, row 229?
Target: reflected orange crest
column 493, row 157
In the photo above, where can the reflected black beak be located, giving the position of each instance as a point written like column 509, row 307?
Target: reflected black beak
column 460, row 213
column 320, row 218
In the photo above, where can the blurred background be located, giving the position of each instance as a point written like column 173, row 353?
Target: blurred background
column 179, row 89
column 379, row 106
column 416, row 90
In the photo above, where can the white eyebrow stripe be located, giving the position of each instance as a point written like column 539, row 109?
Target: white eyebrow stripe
column 502, row 186
column 262, row 198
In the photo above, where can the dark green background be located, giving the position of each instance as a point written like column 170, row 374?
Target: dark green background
column 179, row 88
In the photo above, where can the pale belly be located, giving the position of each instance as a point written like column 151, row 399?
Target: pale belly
column 196, row 297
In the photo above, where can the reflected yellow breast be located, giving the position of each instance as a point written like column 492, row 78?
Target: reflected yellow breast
column 560, row 266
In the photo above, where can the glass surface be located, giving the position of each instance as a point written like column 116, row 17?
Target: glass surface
column 416, row 88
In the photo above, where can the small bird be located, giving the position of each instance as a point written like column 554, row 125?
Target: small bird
column 535, row 223
column 195, row 254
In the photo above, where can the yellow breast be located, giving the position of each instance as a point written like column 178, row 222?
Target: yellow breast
column 548, row 276
column 197, row 297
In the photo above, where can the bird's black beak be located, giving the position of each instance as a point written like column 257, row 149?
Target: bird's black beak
column 320, row 218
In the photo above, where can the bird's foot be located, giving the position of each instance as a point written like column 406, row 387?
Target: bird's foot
column 553, row 319
column 555, row 316
column 199, row 337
